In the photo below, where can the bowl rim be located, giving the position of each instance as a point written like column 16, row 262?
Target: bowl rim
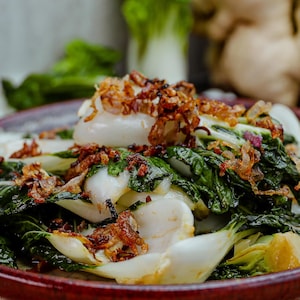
column 259, row 280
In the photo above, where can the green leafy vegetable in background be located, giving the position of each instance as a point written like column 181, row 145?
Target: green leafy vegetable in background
column 74, row 76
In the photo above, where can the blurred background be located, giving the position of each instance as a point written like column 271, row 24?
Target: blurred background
column 56, row 50
column 34, row 32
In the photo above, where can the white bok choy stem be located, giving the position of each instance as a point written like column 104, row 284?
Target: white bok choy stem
column 193, row 260
column 72, row 247
column 116, row 130
column 102, row 186
column 161, row 224
column 85, row 210
column 50, row 163
column 159, row 33
column 170, row 192
column 99, row 211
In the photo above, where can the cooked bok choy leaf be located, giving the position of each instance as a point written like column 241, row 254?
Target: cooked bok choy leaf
column 14, row 199
column 219, row 194
column 7, row 255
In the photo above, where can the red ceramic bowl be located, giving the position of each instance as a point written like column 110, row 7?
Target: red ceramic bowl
column 17, row 284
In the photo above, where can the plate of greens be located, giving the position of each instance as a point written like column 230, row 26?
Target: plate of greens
column 148, row 190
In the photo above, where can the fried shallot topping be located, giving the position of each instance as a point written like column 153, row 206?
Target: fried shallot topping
column 28, row 150
column 137, row 161
column 39, row 183
column 261, row 108
column 146, row 150
column 89, row 155
column 176, row 109
column 119, row 240
column 244, row 161
column 266, row 122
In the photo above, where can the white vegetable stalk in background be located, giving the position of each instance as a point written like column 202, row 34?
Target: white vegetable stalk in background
column 164, row 53
column 158, row 41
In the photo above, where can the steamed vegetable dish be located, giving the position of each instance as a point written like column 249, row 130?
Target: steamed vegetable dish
column 154, row 185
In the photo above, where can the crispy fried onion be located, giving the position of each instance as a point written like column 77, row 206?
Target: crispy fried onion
column 39, row 183
column 92, row 154
column 138, row 162
column 119, row 241
column 89, row 155
column 28, row 150
column 266, row 122
column 245, row 165
column 259, row 109
column 175, row 107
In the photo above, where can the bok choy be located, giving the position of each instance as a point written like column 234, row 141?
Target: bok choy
column 159, row 32
column 212, row 192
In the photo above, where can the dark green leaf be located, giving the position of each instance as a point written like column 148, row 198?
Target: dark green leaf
column 13, row 200
column 49, row 254
column 10, row 169
column 219, row 195
column 7, row 255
